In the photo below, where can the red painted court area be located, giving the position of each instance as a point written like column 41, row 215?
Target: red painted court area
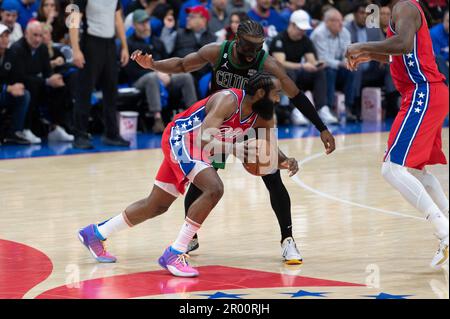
column 23, row 267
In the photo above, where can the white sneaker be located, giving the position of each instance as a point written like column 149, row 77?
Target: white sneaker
column 60, row 135
column 29, row 136
column 326, row 115
column 297, row 118
column 441, row 256
column 290, row 252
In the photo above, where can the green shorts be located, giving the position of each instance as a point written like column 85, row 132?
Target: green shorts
column 220, row 163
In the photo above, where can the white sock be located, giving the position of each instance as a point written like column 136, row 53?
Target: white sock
column 414, row 192
column 113, row 225
column 185, row 235
column 433, row 187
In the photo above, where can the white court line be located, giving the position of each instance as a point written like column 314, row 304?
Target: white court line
column 300, row 183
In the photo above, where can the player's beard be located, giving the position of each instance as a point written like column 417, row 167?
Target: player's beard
column 264, row 108
column 243, row 58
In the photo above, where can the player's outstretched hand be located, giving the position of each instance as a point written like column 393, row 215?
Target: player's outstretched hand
column 353, row 51
column 291, row 165
column 328, row 141
column 144, row 60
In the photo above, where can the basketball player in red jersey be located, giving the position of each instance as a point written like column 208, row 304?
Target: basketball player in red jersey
column 233, row 63
column 415, row 138
column 187, row 143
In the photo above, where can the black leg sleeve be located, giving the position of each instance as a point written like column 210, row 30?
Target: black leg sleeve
column 281, row 203
column 192, row 195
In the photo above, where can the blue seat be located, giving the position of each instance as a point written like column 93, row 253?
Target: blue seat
column 203, row 85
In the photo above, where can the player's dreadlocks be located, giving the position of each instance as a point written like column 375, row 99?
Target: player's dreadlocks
column 261, row 80
column 252, row 28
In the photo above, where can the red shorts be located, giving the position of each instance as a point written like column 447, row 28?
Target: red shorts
column 415, row 137
column 179, row 166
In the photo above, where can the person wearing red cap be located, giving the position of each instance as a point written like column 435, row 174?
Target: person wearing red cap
column 182, row 14
column 195, row 36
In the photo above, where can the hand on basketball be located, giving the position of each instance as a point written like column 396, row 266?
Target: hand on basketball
column 144, row 60
column 250, row 151
column 328, row 141
column 245, row 151
column 291, row 165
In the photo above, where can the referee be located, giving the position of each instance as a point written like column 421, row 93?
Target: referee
column 94, row 53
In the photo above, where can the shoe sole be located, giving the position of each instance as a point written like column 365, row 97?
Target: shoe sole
column 443, row 260
column 10, row 141
column 174, row 271
column 293, row 262
column 103, row 261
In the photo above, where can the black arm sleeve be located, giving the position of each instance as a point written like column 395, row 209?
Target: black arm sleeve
column 304, row 105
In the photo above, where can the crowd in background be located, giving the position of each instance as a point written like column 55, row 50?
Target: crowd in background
column 50, row 71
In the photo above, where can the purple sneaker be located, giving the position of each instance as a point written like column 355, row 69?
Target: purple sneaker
column 177, row 264
column 95, row 246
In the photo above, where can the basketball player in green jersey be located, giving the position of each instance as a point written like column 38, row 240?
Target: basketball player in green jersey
column 234, row 62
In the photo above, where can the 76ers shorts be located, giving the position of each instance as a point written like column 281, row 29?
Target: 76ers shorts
column 415, row 137
column 179, row 167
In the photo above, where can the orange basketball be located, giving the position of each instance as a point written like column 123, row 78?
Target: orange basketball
column 265, row 162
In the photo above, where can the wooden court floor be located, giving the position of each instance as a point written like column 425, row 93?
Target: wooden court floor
column 358, row 237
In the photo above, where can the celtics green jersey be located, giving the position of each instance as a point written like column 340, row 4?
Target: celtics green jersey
column 227, row 74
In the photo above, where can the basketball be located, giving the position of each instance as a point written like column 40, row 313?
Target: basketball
column 265, row 162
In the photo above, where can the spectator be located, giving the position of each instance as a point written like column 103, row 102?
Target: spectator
column 51, row 14
column 296, row 52
column 27, row 10
column 154, row 8
column 385, row 18
column 175, row 5
column 372, row 73
column 219, row 15
column 35, row 72
column 439, row 36
column 331, row 40
column 268, row 18
column 293, row 5
column 195, row 36
column 182, row 15
column 238, row 6
column 60, row 106
column 149, row 81
column 9, row 15
column 169, row 33
column 13, row 95
column 235, row 19
column 96, row 57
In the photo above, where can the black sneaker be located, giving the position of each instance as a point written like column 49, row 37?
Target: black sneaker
column 83, row 143
column 15, row 138
column 193, row 245
column 116, row 141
